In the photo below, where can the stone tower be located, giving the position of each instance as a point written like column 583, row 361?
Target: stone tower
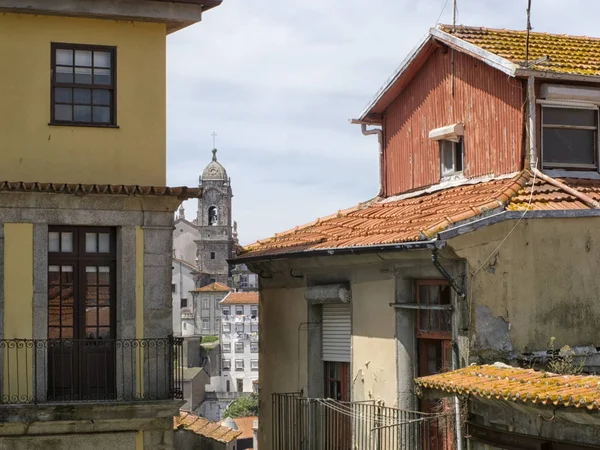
column 214, row 224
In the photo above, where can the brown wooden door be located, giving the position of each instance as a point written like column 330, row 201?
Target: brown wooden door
column 81, row 314
column 338, row 426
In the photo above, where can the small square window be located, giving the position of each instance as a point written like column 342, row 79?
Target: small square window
column 239, row 364
column 451, row 157
column 254, row 312
column 212, row 255
column 239, row 347
column 239, row 327
column 226, row 364
column 205, row 324
column 254, row 365
column 239, row 310
column 173, row 288
column 226, row 310
column 226, row 327
column 205, row 303
column 253, row 347
column 184, row 303
column 254, row 328
column 227, row 347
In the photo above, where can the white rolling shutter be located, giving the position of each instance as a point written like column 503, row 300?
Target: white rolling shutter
column 337, row 332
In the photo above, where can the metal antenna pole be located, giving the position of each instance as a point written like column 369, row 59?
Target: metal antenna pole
column 454, row 6
column 528, row 30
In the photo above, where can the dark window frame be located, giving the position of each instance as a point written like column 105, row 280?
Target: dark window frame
column 112, row 87
column 437, row 315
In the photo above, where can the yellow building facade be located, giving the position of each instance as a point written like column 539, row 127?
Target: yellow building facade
column 87, row 356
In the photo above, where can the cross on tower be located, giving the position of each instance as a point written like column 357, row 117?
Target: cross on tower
column 214, row 135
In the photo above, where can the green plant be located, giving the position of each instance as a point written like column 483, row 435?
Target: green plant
column 561, row 361
column 209, row 339
column 242, row 407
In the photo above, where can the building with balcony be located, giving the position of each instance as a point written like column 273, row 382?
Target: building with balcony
column 239, row 341
column 87, row 354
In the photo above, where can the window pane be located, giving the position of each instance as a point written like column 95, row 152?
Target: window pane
column 91, row 276
column 101, row 97
column 53, row 243
column 447, row 157
column 83, row 58
column 101, row 114
column 569, row 146
column 54, row 275
column 91, row 316
column 63, row 95
column 83, row 75
column 458, row 157
column 102, row 76
column 63, row 112
column 104, row 316
column 103, row 275
column 91, row 333
column 563, row 116
column 64, row 74
column 66, row 316
column 83, row 113
column 104, row 242
column 66, row 273
column 53, row 333
column 91, row 296
column 66, row 242
column 64, row 57
column 67, row 333
column 83, row 96
column 91, row 244
column 104, row 295
column 101, row 59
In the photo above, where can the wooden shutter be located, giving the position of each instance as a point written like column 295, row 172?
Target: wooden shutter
column 337, row 332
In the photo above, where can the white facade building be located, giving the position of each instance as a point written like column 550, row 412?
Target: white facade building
column 239, row 341
column 183, row 282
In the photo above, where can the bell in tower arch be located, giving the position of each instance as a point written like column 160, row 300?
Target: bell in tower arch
column 213, row 216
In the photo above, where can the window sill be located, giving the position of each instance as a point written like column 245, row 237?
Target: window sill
column 85, row 125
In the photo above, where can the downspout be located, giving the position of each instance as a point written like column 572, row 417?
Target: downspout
column 533, row 159
column 455, row 350
column 379, row 133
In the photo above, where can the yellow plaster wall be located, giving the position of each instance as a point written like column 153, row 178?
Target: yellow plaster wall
column 282, row 351
column 373, row 342
column 32, row 150
column 543, row 283
column 18, row 306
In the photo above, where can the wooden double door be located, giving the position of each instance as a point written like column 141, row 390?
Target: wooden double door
column 81, row 347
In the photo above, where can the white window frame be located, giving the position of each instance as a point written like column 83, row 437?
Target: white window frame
column 254, row 311
column 239, row 364
column 239, row 325
column 226, row 347
column 254, row 365
column 453, row 148
column 253, row 347
column 226, row 327
column 254, row 328
column 239, row 310
column 205, row 324
column 569, row 105
column 239, row 347
column 226, row 311
column 226, row 364
column 205, row 303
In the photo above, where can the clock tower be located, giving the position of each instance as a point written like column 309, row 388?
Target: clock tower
column 214, row 223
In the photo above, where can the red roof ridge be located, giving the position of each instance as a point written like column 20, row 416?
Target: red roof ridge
column 213, row 287
column 568, row 189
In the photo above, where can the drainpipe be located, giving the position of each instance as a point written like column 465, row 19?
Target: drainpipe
column 455, row 355
column 379, row 133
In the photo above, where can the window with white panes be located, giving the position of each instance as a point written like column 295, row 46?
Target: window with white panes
column 253, row 347
column 239, row 364
column 239, row 347
column 226, row 364
column 254, row 365
column 226, row 347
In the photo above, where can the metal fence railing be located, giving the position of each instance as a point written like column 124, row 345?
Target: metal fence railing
column 72, row 370
column 301, row 423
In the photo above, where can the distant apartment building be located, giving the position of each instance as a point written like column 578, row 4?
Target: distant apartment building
column 201, row 315
column 239, row 341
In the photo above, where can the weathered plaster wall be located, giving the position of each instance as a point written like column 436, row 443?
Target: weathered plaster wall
column 542, row 283
column 282, row 350
column 373, row 343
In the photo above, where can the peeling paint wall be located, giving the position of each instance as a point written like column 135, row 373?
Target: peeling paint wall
column 542, row 283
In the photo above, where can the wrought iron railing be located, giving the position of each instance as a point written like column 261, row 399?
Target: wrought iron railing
column 80, row 370
column 301, row 423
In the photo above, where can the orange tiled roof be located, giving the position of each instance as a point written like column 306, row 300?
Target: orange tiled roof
column 421, row 217
column 204, row 427
column 237, row 298
column 244, row 424
column 213, row 287
column 501, row 382
column 386, row 222
column 182, row 192
column 567, row 54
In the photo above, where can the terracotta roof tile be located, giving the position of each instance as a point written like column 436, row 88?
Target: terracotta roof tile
column 204, row 427
column 547, row 196
column 241, row 298
column 244, row 424
column 567, row 54
column 182, row 192
column 518, row 385
column 213, row 287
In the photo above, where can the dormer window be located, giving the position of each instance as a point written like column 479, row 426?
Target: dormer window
column 451, row 158
column 569, row 137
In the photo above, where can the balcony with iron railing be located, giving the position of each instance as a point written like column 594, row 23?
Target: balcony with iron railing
column 317, row 423
column 38, row 371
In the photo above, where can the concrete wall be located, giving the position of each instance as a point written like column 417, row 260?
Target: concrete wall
column 33, row 150
column 184, row 241
column 542, row 283
column 184, row 282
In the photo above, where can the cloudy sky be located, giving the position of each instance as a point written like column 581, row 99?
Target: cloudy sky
column 277, row 80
